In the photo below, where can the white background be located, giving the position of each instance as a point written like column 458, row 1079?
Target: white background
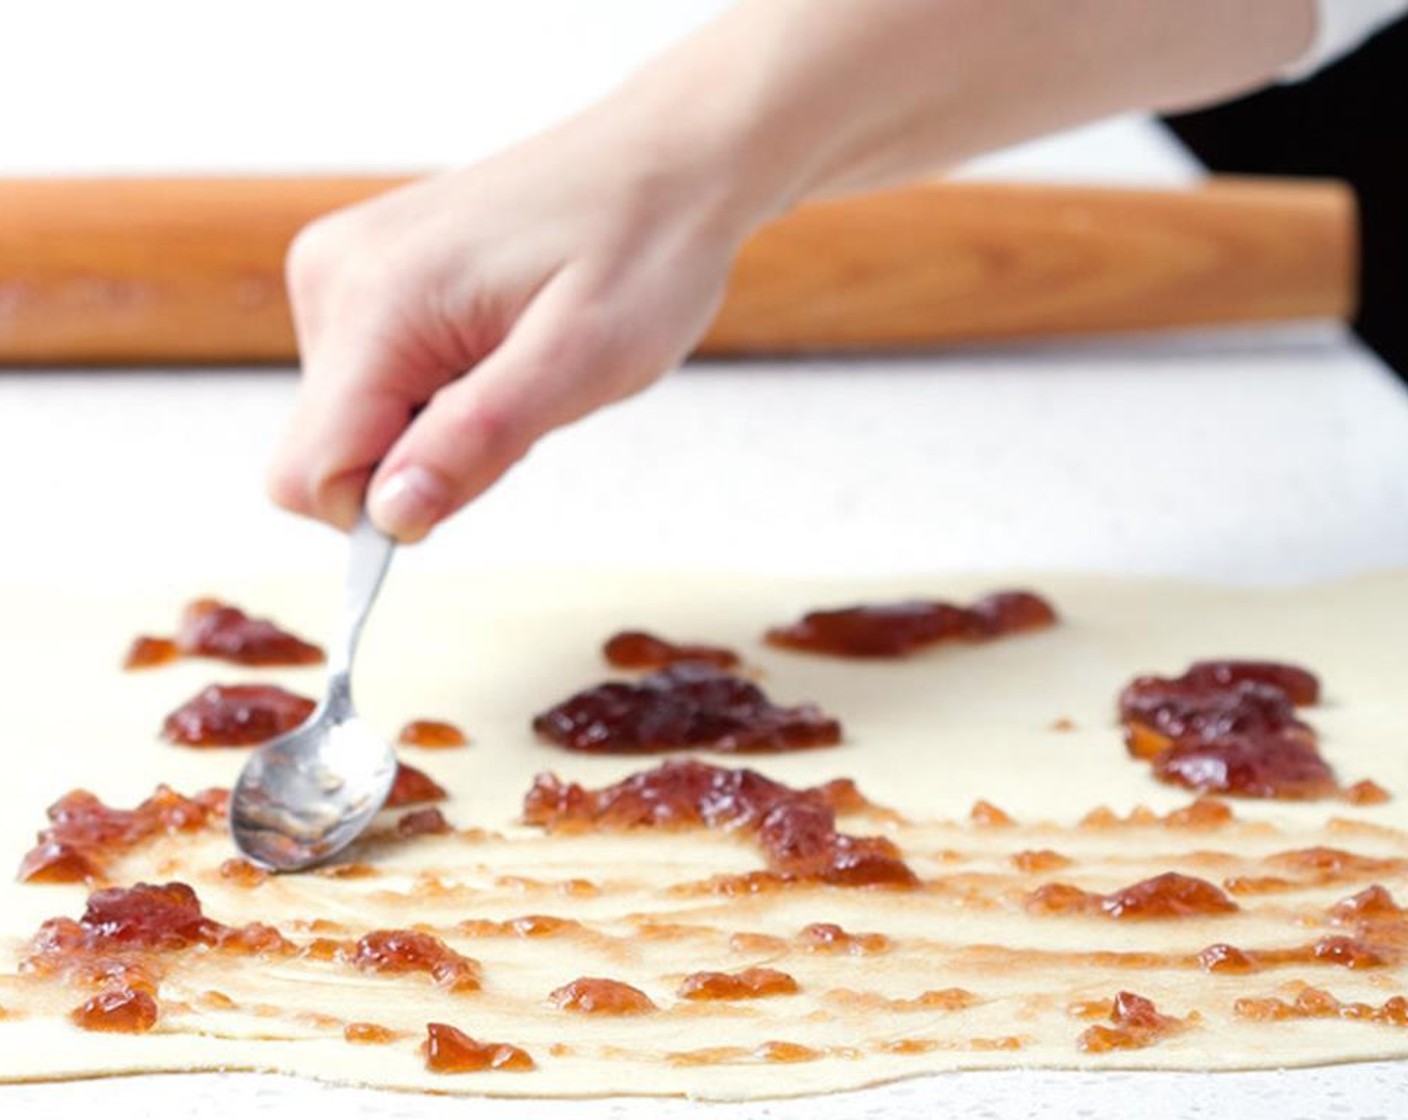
column 1255, row 456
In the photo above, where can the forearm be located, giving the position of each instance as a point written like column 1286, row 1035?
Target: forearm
column 797, row 98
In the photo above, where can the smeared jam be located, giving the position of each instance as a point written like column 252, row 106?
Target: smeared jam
column 1169, row 895
column 85, row 835
column 1301, row 686
column 985, row 814
column 594, row 995
column 124, row 1010
column 413, row 787
column 796, row 828
column 828, row 937
column 1135, row 1024
column 124, row 937
column 429, row 821
column 1283, row 766
column 396, row 951
column 1343, row 952
column 242, row 873
column 899, row 629
column 1373, row 905
column 210, row 628
column 687, row 705
column 448, row 1049
column 1035, row 860
column 236, row 715
column 1229, row 727
column 433, row 734
column 368, row 1034
column 1317, row 1003
column 636, row 649
column 750, row 983
column 146, row 652
column 1366, row 792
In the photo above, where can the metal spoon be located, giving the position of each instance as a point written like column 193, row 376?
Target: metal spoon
column 308, row 794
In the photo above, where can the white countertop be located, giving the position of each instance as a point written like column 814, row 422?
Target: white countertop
column 1255, row 456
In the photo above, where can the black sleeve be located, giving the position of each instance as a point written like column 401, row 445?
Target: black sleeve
column 1350, row 121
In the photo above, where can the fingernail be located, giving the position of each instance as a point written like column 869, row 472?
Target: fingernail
column 408, row 504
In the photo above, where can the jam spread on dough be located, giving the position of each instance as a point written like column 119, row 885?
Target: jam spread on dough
column 85, row 835
column 750, row 983
column 236, row 715
column 433, row 734
column 1316, row 1003
column 594, row 995
column 898, row 629
column 448, row 1049
column 635, row 649
column 796, row 828
column 403, row 950
column 210, row 628
column 429, row 821
column 1229, row 727
column 126, row 1010
column 684, row 705
column 120, row 943
column 1169, row 895
column 1135, row 1024
column 413, row 787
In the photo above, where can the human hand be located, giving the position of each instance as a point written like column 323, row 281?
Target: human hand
column 447, row 325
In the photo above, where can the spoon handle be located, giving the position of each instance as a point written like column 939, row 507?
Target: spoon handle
column 370, row 557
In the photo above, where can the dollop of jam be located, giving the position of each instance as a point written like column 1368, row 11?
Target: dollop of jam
column 899, row 629
column 146, row 652
column 413, row 787
column 1282, row 766
column 1169, row 895
column 750, row 983
column 448, row 1049
column 796, row 828
column 236, row 715
column 1317, row 1003
column 401, row 950
column 210, row 628
column 682, row 706
column 368, row 1034
column 85, row 835
column 636, row 649
column 242, row 873
column 125, row 1010
column 1181, row 709
column 1135, row 1024
column 1344, row 952
column 1373, row 904
column 1229, row 727
column 125, row 933
column 594, row 995
column 429, row 821
column 1301, row 686
column 433, row 734
column 1320, row 864
column 1366, row 792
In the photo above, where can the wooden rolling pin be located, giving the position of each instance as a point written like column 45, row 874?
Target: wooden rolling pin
column 128, row 271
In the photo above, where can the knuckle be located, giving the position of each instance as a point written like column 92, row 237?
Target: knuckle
column 491, row 431
column 584, row 336
column 288, row 489
column 312, row 255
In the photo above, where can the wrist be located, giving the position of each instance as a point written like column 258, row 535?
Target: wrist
column 706, row 121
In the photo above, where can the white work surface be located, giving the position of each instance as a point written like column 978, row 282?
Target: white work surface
column 1268, row 456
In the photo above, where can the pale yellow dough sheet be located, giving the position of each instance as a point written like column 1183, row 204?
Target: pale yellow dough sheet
column 926, row 737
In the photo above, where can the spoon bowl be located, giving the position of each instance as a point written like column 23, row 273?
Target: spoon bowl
column 307, row 795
